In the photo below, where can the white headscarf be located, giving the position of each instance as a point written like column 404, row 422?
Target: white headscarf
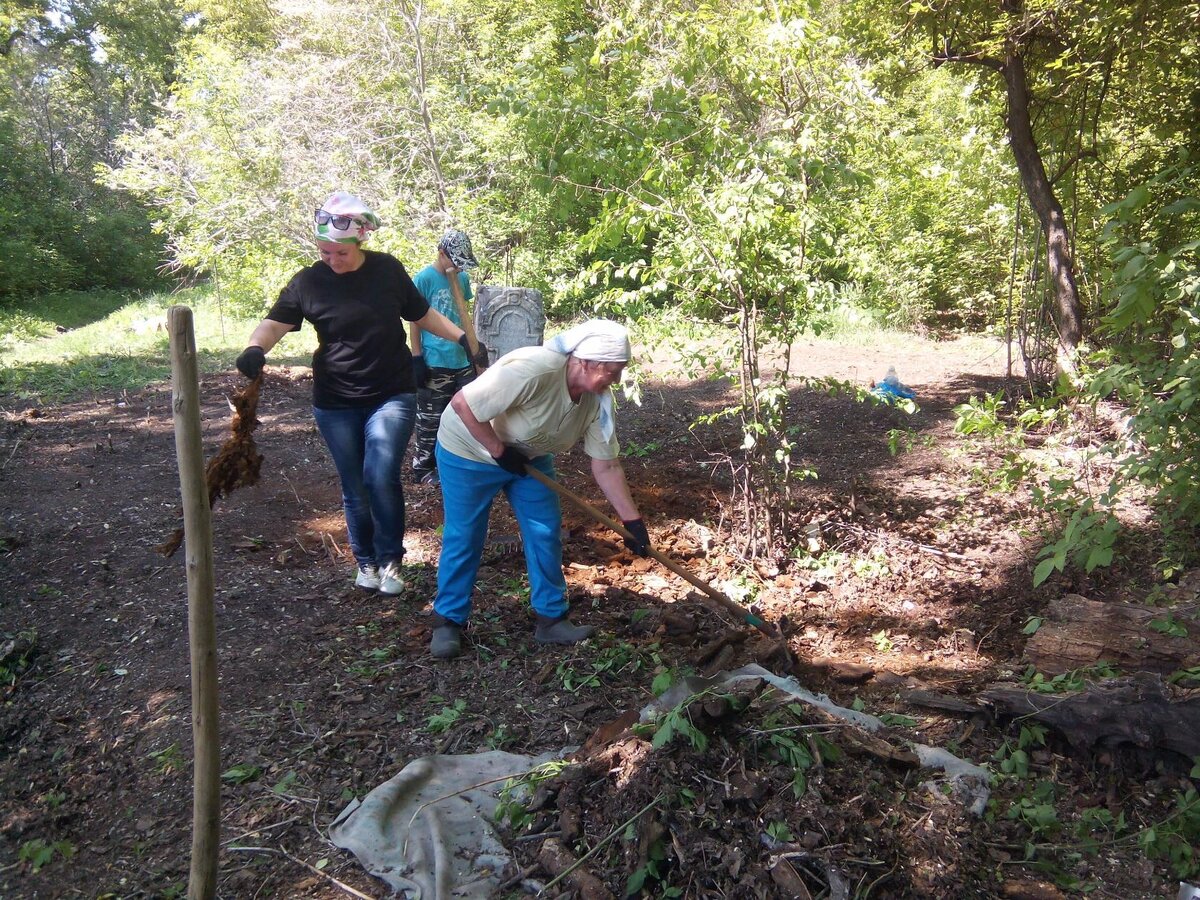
column 597, row 340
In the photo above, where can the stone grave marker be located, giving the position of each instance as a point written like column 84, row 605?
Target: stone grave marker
column 508, row 317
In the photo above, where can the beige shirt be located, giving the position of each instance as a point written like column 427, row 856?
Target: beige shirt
column 524, row 395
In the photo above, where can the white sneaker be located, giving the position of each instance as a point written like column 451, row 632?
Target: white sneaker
column 368, row 578
column 391, row 579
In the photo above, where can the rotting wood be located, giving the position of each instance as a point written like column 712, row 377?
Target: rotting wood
column 788, row 880
column 877, row 747
column 943, row 702
column 607, row 733
column 714, row 648
column 719, row 662
column 1077, row 633
column 1139, row 712
column 857, row 740
column 842, row 670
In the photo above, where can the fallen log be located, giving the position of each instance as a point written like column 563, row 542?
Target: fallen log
column 943, row 702
column 1077, row 633
column 1138, row 712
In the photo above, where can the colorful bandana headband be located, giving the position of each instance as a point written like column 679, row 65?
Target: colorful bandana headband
column 344, row 219
column 456, row 245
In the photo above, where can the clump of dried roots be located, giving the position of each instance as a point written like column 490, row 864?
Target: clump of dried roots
column 238, row 462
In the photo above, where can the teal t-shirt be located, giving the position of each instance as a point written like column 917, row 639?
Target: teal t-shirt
column 435, row 288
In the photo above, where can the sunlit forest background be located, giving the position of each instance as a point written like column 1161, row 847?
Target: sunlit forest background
column 1025, row 168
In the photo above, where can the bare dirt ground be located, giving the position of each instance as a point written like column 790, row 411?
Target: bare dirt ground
column 923, row 583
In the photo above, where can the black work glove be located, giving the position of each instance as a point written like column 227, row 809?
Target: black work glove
column 251, row 362
column 512, row 460
column 639, row 539
column 480, row 359
column 420, row 371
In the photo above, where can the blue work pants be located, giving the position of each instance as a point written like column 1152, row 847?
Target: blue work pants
column 468, row 488
column 367, row 445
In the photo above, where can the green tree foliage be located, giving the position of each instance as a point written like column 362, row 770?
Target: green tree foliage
column 71, row 82
column 928, row 225
column 372, row 100
column 20, row 20
column 704, row 145
column 1074, row 83
column 1153, row 322
column 215, row 168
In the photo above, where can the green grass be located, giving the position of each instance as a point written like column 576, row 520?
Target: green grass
column 111, row 343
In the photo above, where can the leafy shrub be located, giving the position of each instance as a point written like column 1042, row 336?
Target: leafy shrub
column 1153, row 362
column 980, row 415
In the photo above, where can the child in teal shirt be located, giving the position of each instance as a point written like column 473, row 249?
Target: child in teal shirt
column 441, row 367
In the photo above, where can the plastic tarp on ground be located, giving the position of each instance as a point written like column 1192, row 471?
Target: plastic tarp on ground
column 427, row 832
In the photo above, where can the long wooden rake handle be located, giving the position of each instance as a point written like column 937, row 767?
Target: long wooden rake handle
column 737, row 609
column 468, row 324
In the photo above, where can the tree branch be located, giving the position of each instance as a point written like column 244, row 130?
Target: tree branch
column 950, row 55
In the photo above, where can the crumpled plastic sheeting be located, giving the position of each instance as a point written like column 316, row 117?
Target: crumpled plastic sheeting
column 444, row 849
column 965, row 779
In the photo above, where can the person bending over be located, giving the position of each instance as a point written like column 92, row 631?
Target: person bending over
column 532, row 403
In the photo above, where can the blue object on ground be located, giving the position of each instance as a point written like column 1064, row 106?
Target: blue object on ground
column 891, row 388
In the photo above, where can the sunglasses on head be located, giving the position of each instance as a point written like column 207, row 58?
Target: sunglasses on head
column 341, row 223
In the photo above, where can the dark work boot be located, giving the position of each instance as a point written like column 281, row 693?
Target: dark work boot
column 561, row 631
column 447, row 638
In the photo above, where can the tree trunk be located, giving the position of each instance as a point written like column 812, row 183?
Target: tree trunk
column 1068, row 313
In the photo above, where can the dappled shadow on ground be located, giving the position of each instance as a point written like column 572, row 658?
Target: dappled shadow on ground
column 918, row 579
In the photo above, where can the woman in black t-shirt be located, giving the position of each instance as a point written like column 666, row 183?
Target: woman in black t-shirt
column 364, row 393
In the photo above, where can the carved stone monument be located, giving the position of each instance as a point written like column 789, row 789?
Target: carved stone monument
column 508, row 317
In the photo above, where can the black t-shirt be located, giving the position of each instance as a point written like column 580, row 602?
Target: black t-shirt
column 362, row 357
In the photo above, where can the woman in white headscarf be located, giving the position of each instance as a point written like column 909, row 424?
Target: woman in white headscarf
column 531, row 403
column 364, row 392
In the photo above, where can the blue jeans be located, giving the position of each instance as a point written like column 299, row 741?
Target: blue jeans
column 367, row 445
column 468, row 488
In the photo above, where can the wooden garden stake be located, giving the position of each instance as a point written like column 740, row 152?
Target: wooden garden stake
column 202, row 632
